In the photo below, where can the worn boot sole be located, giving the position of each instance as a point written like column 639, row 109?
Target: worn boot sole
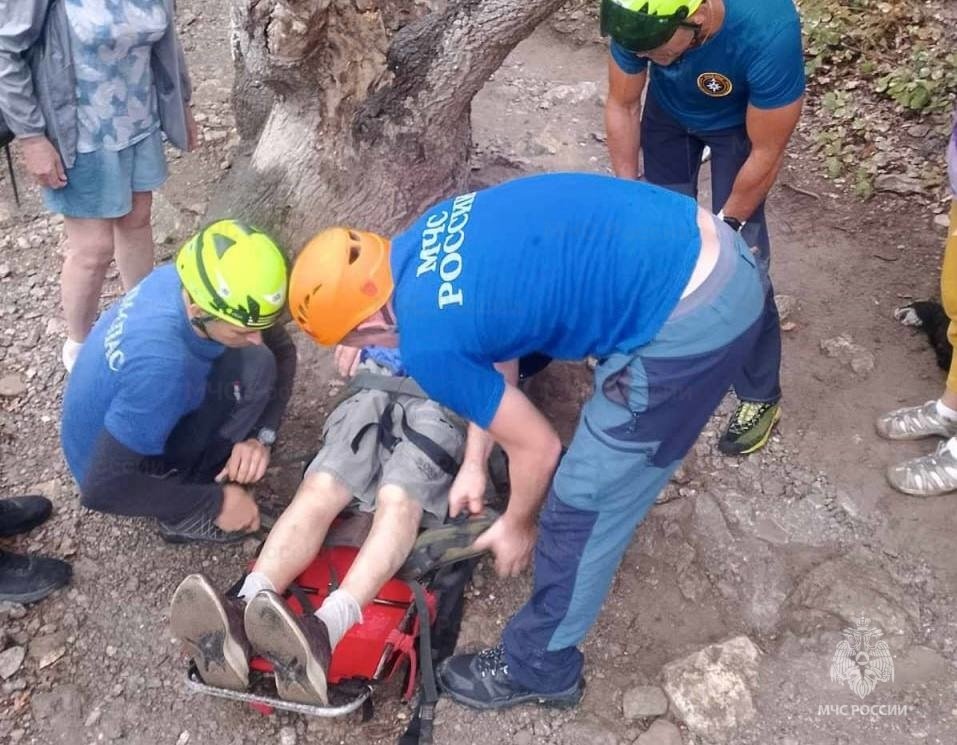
column 198, row 619
column 273, row 632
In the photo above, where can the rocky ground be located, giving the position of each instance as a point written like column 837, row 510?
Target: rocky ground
column 731, row 602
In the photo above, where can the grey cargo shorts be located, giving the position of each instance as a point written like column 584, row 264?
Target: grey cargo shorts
column 354, row 452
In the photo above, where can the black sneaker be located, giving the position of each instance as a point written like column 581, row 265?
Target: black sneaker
column 198, row 528
column 210, row 627
column 749, row 427
column 481, row 681
column 26, row 579
column 20, row 514
column 297, row 646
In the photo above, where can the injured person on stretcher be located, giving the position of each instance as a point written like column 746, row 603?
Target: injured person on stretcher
column 386, row 449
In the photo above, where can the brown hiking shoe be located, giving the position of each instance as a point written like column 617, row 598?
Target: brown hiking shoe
column 210, row 627
column 297, row 646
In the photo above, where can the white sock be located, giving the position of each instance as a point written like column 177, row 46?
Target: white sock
column 945, row 411
column 339, row 612
column 253, row 584
column 952, row 446
column 71, row 349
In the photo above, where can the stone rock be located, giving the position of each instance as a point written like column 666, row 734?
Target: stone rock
column 4, row 271
column 167, row 220
column 572, row 94
column 644, row 702
column 918, row 131
column 12, row 386
column 843, row 349
column 183, row 737
column 10, row 661
column 745, row 569
column 942, row 220
column 524, row 737
column 13, row 611
column 589, row 730
column 287, row 736
column 787, row 304
column 711, row 689
column 898, row 183
column 48, row 649
column 661, row 732
column 848, row 587
column 93, row 717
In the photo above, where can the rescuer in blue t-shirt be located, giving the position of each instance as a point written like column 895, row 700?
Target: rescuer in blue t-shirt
column 729, row 75
column 568, row 265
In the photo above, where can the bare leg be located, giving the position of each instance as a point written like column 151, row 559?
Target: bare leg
column 89, row 250
column 393, row 534
column 299, row 532
column 133, row 239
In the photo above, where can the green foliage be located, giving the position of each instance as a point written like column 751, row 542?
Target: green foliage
column 874, row 69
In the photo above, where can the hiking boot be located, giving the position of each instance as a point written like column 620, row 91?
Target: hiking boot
column 210, row 628
column 447, row 544
column 26, row 579
column 197, row 528
column 749, row 428
column 297, row 646
column 481, row 681
column 20, row 514
column 915, row 423
column 928, row 476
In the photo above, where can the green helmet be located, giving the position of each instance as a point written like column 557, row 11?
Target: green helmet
column 235, row 273
column 643, row 25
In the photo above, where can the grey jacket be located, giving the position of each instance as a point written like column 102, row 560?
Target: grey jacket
column 38, row 85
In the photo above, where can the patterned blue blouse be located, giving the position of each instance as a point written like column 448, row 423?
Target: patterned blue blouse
column 116, row 99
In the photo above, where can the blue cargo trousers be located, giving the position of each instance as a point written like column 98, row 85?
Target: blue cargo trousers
column 646, row 411
column 672, row 158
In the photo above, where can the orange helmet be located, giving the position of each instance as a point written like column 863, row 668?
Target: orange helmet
column 340, row 278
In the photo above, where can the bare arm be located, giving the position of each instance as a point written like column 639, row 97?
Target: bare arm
column 623, row 120
column 533, row 450
column 469, row 487
column 769, row 131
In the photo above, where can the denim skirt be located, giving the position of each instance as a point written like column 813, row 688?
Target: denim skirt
column 101, row 183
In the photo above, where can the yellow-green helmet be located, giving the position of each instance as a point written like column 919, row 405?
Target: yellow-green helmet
column 643, row 25
column 235, row 273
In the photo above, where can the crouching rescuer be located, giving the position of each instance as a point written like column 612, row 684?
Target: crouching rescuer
column 174, row 402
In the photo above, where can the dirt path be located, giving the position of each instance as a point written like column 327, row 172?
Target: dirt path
column 786, row 548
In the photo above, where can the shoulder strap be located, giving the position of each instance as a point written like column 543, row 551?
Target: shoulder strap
column 389, row 383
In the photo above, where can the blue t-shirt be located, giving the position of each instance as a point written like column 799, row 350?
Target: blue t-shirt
column 140, row 370
column 567, row 264
column 755, row 58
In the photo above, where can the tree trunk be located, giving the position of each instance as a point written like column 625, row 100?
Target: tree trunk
column 370, row 103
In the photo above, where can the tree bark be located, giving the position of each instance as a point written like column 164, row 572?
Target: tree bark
column 369, row 111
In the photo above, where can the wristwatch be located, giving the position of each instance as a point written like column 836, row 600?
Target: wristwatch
column 735, row 223
column 266, row 436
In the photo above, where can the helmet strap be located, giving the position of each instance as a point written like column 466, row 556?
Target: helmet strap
column 199, row 322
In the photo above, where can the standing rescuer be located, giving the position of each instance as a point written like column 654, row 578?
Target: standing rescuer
column 667, row 296
column 729, row 75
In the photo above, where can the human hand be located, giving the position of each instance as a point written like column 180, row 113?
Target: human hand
column 247, row 463
column 43, row 161
column 347, row 360
column 511, row 542
column 192, row 130
column 239, row 511
column 468, row 489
